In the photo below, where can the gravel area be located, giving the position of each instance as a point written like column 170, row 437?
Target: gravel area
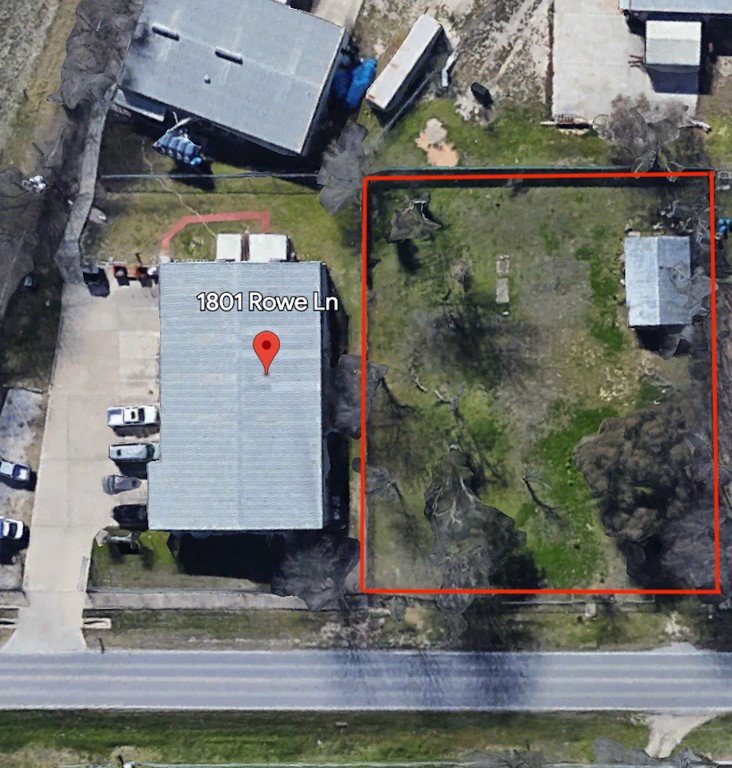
column 501, row 43
column 21, row 424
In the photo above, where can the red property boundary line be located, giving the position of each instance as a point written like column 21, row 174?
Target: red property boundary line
column 364, row 345
column 213, row 218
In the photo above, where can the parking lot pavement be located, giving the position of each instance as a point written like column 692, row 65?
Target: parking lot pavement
column 591, row 60
column 107, row 354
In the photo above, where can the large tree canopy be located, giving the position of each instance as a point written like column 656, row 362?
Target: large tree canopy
column 471, row 541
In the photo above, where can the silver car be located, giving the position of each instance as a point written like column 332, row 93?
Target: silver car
column 138, row 452
column 11, row 530
column 15, row 472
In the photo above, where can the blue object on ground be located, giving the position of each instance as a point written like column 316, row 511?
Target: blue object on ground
column 342, row 82
column 178, row 145
column 363, row 75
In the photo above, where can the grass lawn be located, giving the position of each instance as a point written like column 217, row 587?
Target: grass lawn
column 243, row 629
column 713, row 738
column 47, row 739
column 137, row 221
column 266, row 629
column 609, row 631
column 537, row 374
column 515, row 137
column 153, row 566
column 36, row 119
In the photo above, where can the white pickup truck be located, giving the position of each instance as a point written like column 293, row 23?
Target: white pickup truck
column 133, row 416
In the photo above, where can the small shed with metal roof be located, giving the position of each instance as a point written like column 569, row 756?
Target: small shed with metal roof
column 657, row 274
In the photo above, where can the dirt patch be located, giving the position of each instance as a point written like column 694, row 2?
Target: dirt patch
column 504, row 44
column 432, row 141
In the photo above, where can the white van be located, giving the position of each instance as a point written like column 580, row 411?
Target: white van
column 134, row 452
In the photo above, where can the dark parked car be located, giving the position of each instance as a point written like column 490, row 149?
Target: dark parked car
column 133, row 517
column 112, row 484
column 96, row 280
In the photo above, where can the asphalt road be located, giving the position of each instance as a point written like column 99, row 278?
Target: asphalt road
column 359, row 680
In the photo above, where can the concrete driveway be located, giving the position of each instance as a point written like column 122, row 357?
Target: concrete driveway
column 591, row 60
column 107, row 354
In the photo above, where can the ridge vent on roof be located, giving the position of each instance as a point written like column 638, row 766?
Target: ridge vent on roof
column 235, row 58
column 159, row 29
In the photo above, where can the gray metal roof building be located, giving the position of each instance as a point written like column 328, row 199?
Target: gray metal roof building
column 256, row 68
column 240, row 451
column 691, row 7
column 657, row 273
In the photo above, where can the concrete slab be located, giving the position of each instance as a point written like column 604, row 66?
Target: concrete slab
column 138, row 344
column 341, row 12
column 591, row 59
column 95, row 352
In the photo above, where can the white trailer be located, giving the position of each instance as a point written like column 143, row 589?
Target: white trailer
column 399, row 73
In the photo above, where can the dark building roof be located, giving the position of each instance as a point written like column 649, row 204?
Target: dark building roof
column 257, row 68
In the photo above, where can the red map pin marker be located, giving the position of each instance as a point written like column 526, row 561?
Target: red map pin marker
column 266, row 345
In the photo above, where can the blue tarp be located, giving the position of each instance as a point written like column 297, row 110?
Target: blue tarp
column 342, row 82
column 178, row 145
column 362, row 77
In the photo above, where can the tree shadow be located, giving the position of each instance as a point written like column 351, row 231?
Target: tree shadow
column 408, row 256
column 491, row 628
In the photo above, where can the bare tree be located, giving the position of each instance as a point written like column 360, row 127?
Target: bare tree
column 412, row 222
column 343, row 169
column 644, row 130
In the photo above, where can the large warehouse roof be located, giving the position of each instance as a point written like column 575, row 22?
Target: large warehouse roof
column 657, row 272
column 703, row 7
column 255, row 67
column 239, row 450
